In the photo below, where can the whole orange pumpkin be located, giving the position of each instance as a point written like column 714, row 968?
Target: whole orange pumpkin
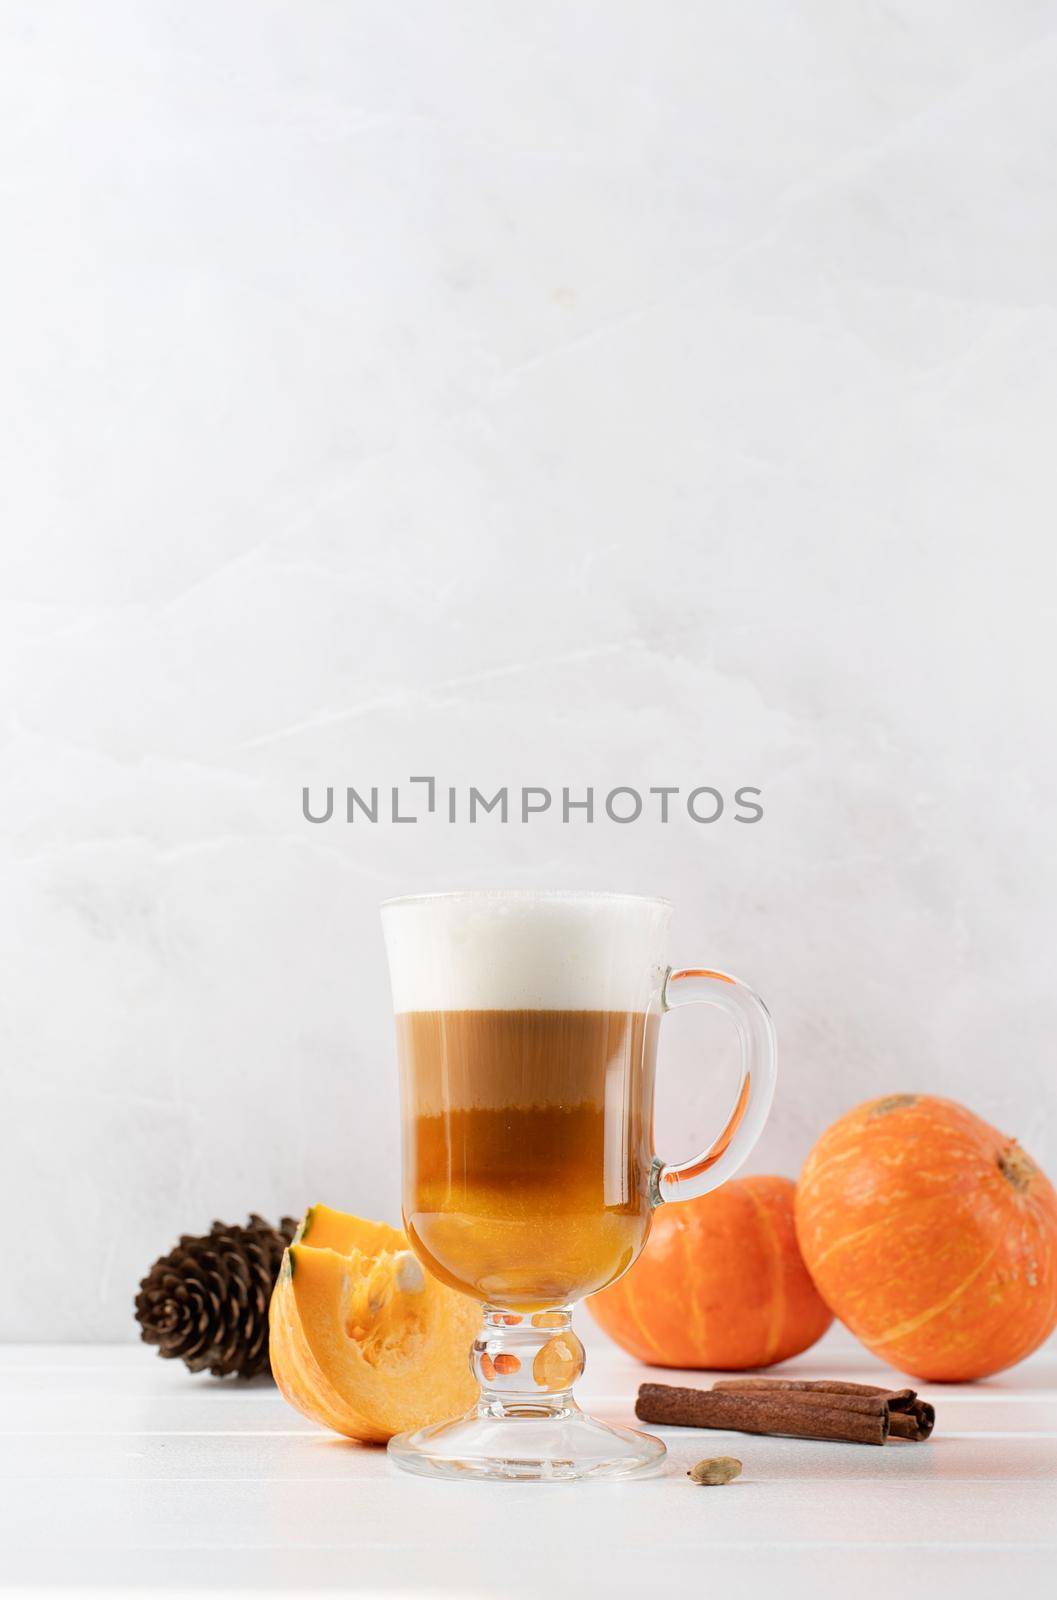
column 719, row 1284
column 933, row 1236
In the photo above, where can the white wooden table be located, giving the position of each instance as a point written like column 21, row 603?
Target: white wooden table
column 123, row 1473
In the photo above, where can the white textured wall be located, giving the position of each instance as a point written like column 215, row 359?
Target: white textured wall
column 551, row 393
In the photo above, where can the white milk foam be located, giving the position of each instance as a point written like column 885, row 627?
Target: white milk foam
column 511, row 950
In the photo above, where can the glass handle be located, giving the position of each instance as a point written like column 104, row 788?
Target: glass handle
column 686, row 1180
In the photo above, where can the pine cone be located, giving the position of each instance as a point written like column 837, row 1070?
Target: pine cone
column 207, row 1300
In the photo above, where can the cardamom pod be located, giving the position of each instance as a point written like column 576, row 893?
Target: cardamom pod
column 717, row 1469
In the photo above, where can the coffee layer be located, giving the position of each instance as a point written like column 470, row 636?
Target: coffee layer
column 516, row 1060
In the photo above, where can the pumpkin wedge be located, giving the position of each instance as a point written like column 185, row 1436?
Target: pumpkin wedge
column 363, row 1339
column 326, row 1229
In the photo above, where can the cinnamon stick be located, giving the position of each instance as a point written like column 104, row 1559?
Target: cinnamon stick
column 793, row 1415
column 916, row 1422
column 909, row 1416
column 812, row 1385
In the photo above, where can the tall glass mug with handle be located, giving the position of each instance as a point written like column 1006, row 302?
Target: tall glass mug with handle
column 527, row 1026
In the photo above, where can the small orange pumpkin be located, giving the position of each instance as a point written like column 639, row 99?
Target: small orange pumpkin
column 932, row 1235
column 720, row 1284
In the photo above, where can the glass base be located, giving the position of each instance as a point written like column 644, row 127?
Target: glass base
column 548, row 1448
column 526, row 1425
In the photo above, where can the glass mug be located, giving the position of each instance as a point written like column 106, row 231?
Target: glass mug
column 527, row 1026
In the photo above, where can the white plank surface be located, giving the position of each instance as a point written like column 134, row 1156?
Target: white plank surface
column 120, row 1472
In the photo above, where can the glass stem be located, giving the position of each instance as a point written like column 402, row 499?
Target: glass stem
column 526, row 1363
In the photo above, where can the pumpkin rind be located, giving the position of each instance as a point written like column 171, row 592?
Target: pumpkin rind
column 720, row 1284
column 932, row 1236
